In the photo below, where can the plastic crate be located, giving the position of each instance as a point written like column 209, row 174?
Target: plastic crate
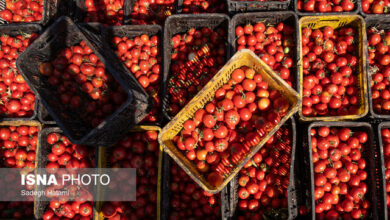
column 380, row 169
column 303, row 13
column 250, row 6
column 357, row 22
column 271, row 18
column 380, row 22
column 103, row 162
column 179, row 24
column 43, row 21
column 166, row 192
column 132, row 31
column 18, row 29
column 292, row 200
column 64, row 33
column 368, row 153
column 242, row 58
column 39, row 205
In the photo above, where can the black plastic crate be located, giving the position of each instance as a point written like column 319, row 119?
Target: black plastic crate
column 132, row 31
column 64, row 33
column 303, row 13
column 45, row 15
column 368, row 153
column 269, row 18
column 291, row 189
column 166, row 192
column 18, row 29
column 380, row 176
column 42, row 160
column 252, row 6
column 380, row 22
column 179, row 24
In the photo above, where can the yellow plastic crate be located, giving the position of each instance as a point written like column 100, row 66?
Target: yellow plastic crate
column 103, row 163
column 244, row 57
column 337, row 21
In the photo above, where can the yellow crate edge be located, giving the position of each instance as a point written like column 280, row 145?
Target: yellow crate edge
column 363, row 91
column 98, row 215
column 194, row 104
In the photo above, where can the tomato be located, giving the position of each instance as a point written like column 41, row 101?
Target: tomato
column 209, row 121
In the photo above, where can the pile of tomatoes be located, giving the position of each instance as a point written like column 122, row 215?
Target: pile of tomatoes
column 109, row 12
column 330, row 72
column 151, row 11
column 220, row 135
column 273, row 44
column 325, row 6
column 188, row 200
column 264, row 179
column 340, row 176
column 204, row 6
column 22, row 11
column 64, row 154
column 18, row 151
column 16, row 210
column 376, row 6
column 385, row 134
column 379, row 69
column 18, row 146
column 68, row 210
column 17, row 100
column 80, row 81
column 138, row 150
column 142, row 57
column 197, row 55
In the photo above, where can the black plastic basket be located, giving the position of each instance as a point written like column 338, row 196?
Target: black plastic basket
column 272, row 18
column 369, row 152
column 166, row 192
column 43, row 114
column 43, row 21
column 39, row 205
column 132, row 31
column 64, row 33
column 303, row 13
column 18, row 29
column 380, row 169
column 252, row 6
column 176, row 24
column 382, row 22
column 291, row 191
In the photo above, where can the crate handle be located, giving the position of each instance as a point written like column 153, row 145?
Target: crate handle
column 331, row 20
